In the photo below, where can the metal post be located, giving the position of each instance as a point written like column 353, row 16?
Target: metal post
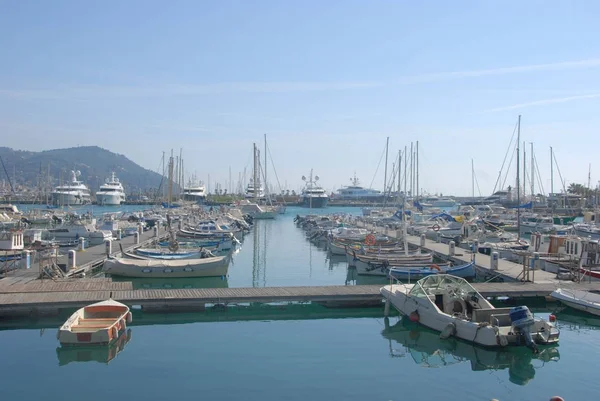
column 108, row 245
column 136, row 238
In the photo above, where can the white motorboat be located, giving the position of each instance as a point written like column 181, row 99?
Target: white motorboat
column 452, row 306
column 72, row 193
column 356, row 192
column 205, row 267
column 111, row 193
column 578, row 299
column 74, row 231
column 254, row 191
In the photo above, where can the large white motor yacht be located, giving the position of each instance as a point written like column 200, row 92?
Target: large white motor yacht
column 72, row 193
column 111, row 193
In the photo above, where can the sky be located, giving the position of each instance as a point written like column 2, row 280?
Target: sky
column 327, row 82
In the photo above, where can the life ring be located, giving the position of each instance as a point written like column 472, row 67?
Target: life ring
column 436, row 227
column 436, row 267
column 370, row 239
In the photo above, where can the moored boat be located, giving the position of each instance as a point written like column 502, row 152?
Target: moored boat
column 465, row 271
column 452, row 306
column 207, row 267
column 96, row 324
column 578, row 299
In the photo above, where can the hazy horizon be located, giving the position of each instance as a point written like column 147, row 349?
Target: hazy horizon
column 326, row 82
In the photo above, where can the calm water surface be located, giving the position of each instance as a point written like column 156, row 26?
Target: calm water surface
column 291, row 352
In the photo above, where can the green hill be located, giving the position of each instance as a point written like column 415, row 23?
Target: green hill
column 32, row 169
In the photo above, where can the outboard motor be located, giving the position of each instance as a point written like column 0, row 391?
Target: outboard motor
column 522, row 321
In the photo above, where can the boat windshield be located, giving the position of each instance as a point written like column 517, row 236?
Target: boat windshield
column 438, row 283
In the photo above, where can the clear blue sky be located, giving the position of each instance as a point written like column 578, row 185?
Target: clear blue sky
column 327, row 81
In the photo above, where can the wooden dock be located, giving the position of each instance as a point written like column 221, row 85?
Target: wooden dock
column 40, row 297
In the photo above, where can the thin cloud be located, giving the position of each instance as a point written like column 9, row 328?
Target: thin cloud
column 560, row 66
column 543, row 102
column 88, row 92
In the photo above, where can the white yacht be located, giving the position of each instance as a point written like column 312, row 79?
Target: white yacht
column 356, row 192
column 72, row 193
column 313, row 196
column 251, row 189
column 438, row 202
column 111, row 193
column 194, row 191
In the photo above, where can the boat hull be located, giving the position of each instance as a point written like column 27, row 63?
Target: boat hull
column 464, row 271
column 63, row 199
column 108, row 199
column 580, row 300
column 430, row 316
column 207, row 267
column 97, row 324
column 315, row 202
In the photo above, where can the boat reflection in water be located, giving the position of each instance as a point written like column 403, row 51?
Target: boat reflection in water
column 175, row 283
column 428, row 350
column 98, row 353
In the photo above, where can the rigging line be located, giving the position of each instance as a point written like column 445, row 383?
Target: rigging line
column 376, row 170
column 559, row 174
column 273, row 164
column 538, row 174
column 505, row 156
column 477, row 183
column 507, row 170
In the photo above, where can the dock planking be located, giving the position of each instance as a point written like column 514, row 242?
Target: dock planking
column 78, row 295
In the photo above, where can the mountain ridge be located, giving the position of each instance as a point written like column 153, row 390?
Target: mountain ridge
column 48, row 168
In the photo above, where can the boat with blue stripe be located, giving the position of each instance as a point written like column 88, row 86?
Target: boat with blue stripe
column 463, row 271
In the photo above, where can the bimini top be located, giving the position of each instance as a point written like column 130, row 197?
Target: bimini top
column 442, row 283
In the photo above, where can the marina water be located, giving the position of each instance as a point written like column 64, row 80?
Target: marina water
column 292, row 352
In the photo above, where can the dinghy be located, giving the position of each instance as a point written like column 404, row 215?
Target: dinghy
column 96, row 324
column 451, row 306
column 578, row 299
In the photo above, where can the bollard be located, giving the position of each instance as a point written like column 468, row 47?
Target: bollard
column 179, row 224
column 155, row 228
column 136, row 238
column 535, row 261
column 438, row 238
column 81, row 244
column 119, row 234
column 140, row 229
column 476, row 246
column 27, row 258
column 72, row 263
column 451, row 248
column 422, row 240
column 108, row 244
column 494, row 261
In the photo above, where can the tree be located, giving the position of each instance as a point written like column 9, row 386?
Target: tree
column 577, row 189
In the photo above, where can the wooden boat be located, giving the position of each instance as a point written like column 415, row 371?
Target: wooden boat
column 451, row 305
column 167, row 254
column 92, row 353
column 578, row 299
column 207, row 267
column 464, row 271
column 96, row 324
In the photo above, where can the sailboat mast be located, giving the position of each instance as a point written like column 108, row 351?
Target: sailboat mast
column 255, row 175
column 551, row 172
column 518, row 177
column 387, row 142
column 405, row 175
column 532, row 173
column 170, row 195
column 524, row 170
column 412, row 192
column 399, row 172
column 266, row 191
column 417, row 161
column 472, row 180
